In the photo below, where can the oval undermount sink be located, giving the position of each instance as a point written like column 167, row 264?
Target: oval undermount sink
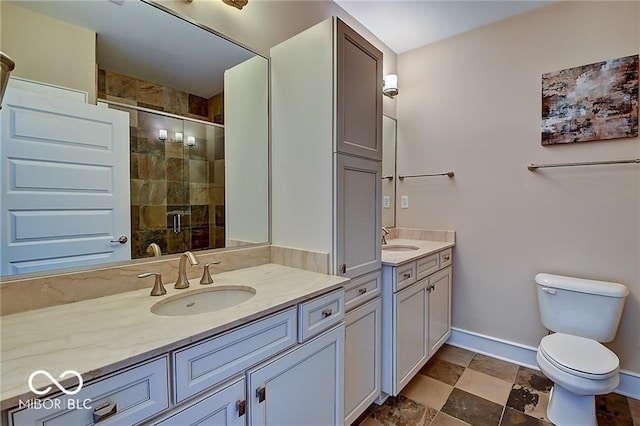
column 203, row 300
column 399, row 247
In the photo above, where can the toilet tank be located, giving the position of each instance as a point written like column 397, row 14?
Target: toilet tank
column 581, row 307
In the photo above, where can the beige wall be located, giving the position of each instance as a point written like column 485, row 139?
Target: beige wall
column 472, row 104
column 48, row 50
column 264, row 24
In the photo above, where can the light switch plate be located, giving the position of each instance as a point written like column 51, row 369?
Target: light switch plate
column 404, row 202
column 386, row 202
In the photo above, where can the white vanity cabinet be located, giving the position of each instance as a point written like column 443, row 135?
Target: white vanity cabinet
column 417, row 321
column 283, row 368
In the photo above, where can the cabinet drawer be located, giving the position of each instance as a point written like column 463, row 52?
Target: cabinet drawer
column 207, row 363
column 362, row 289
column 405, row 275
column 134, row 395
column 222, row 406
column 320, row 314
column 427, row 265
column 445, row 258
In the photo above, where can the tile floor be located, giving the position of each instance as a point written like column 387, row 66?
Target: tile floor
column 458, row 387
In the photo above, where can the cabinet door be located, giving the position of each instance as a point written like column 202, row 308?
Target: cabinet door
column 410, row 312
column 304, row 386
column 359, row 94
column 362, row 365
column 224, row 407
column 358, row 210
column 439, row 309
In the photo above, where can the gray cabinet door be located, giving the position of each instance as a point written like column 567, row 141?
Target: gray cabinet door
column 304, row 386
column 358, row 211
column 359, row 94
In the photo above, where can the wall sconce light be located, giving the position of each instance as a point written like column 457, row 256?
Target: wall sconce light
column 390, row 87
column 179, row 137
column 238, row 4
column 162, row 135
column 191, row 141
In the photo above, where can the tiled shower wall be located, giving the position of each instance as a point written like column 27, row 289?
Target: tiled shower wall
column 168, row 178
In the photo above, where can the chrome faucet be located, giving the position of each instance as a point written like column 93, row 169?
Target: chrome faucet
column 183, row 281
column 154, row 249
column 385, row 232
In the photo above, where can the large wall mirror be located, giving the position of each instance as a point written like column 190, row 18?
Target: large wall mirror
column 196, row 136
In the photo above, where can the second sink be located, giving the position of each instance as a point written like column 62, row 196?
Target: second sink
column 204, row 300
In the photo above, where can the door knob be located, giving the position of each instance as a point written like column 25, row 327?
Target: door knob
column 122, row 240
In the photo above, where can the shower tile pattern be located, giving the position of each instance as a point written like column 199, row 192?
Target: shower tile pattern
column 459, row 387
column 168, row 178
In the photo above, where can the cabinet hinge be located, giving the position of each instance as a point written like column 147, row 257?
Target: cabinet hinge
column 261, row 393
column 242, row 407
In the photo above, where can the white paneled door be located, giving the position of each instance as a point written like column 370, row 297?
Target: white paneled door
column 64, row 166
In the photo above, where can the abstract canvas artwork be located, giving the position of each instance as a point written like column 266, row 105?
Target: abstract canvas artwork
column 591, row 102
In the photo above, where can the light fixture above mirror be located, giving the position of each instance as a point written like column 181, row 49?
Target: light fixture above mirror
column 238, row 4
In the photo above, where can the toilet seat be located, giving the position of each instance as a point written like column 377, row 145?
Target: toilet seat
column 579, row 356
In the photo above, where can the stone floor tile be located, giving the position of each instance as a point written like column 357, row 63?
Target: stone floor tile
column 634, row 407
column 427, row 391
column 455, row 355
column 494, row 367
column 445, row 371
column 443, row 419
column 512, row 417
column 530, row 402
column 485, row 386
column 400, row 411
column 614, row 404
column 472, row 409
column 370, row 421
column 605, row 419
column 533, row 379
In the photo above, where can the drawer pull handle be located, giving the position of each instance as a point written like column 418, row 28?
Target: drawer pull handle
column 343, row 268
column 407, row 275
column 327, row 312
column 104, row 412
column 242, row 407
column 362, row 290
column 445, row 258
column 261, row 393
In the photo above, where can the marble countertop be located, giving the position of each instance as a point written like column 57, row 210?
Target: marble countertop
column 98, row 336
column 425, row 248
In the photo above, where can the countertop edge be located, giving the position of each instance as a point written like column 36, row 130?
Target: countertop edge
column 411, row 256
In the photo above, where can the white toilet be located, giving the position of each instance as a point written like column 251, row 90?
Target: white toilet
column 582, row 313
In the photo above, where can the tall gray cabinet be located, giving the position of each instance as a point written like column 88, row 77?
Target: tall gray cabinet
column 326, row 109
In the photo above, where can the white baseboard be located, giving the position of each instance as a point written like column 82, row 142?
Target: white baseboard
column 526, row 356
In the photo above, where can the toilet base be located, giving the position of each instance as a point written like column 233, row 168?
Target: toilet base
column 568, row 409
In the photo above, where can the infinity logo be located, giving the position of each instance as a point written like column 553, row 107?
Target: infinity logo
column 55, row 382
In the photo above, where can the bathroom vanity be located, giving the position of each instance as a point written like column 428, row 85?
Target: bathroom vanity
column 276, row 358
column 416, row 297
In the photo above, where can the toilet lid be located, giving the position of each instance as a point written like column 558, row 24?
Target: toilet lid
column 576, row 354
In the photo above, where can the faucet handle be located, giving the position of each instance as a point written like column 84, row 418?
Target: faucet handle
column 158, row 287
column 206, row 276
